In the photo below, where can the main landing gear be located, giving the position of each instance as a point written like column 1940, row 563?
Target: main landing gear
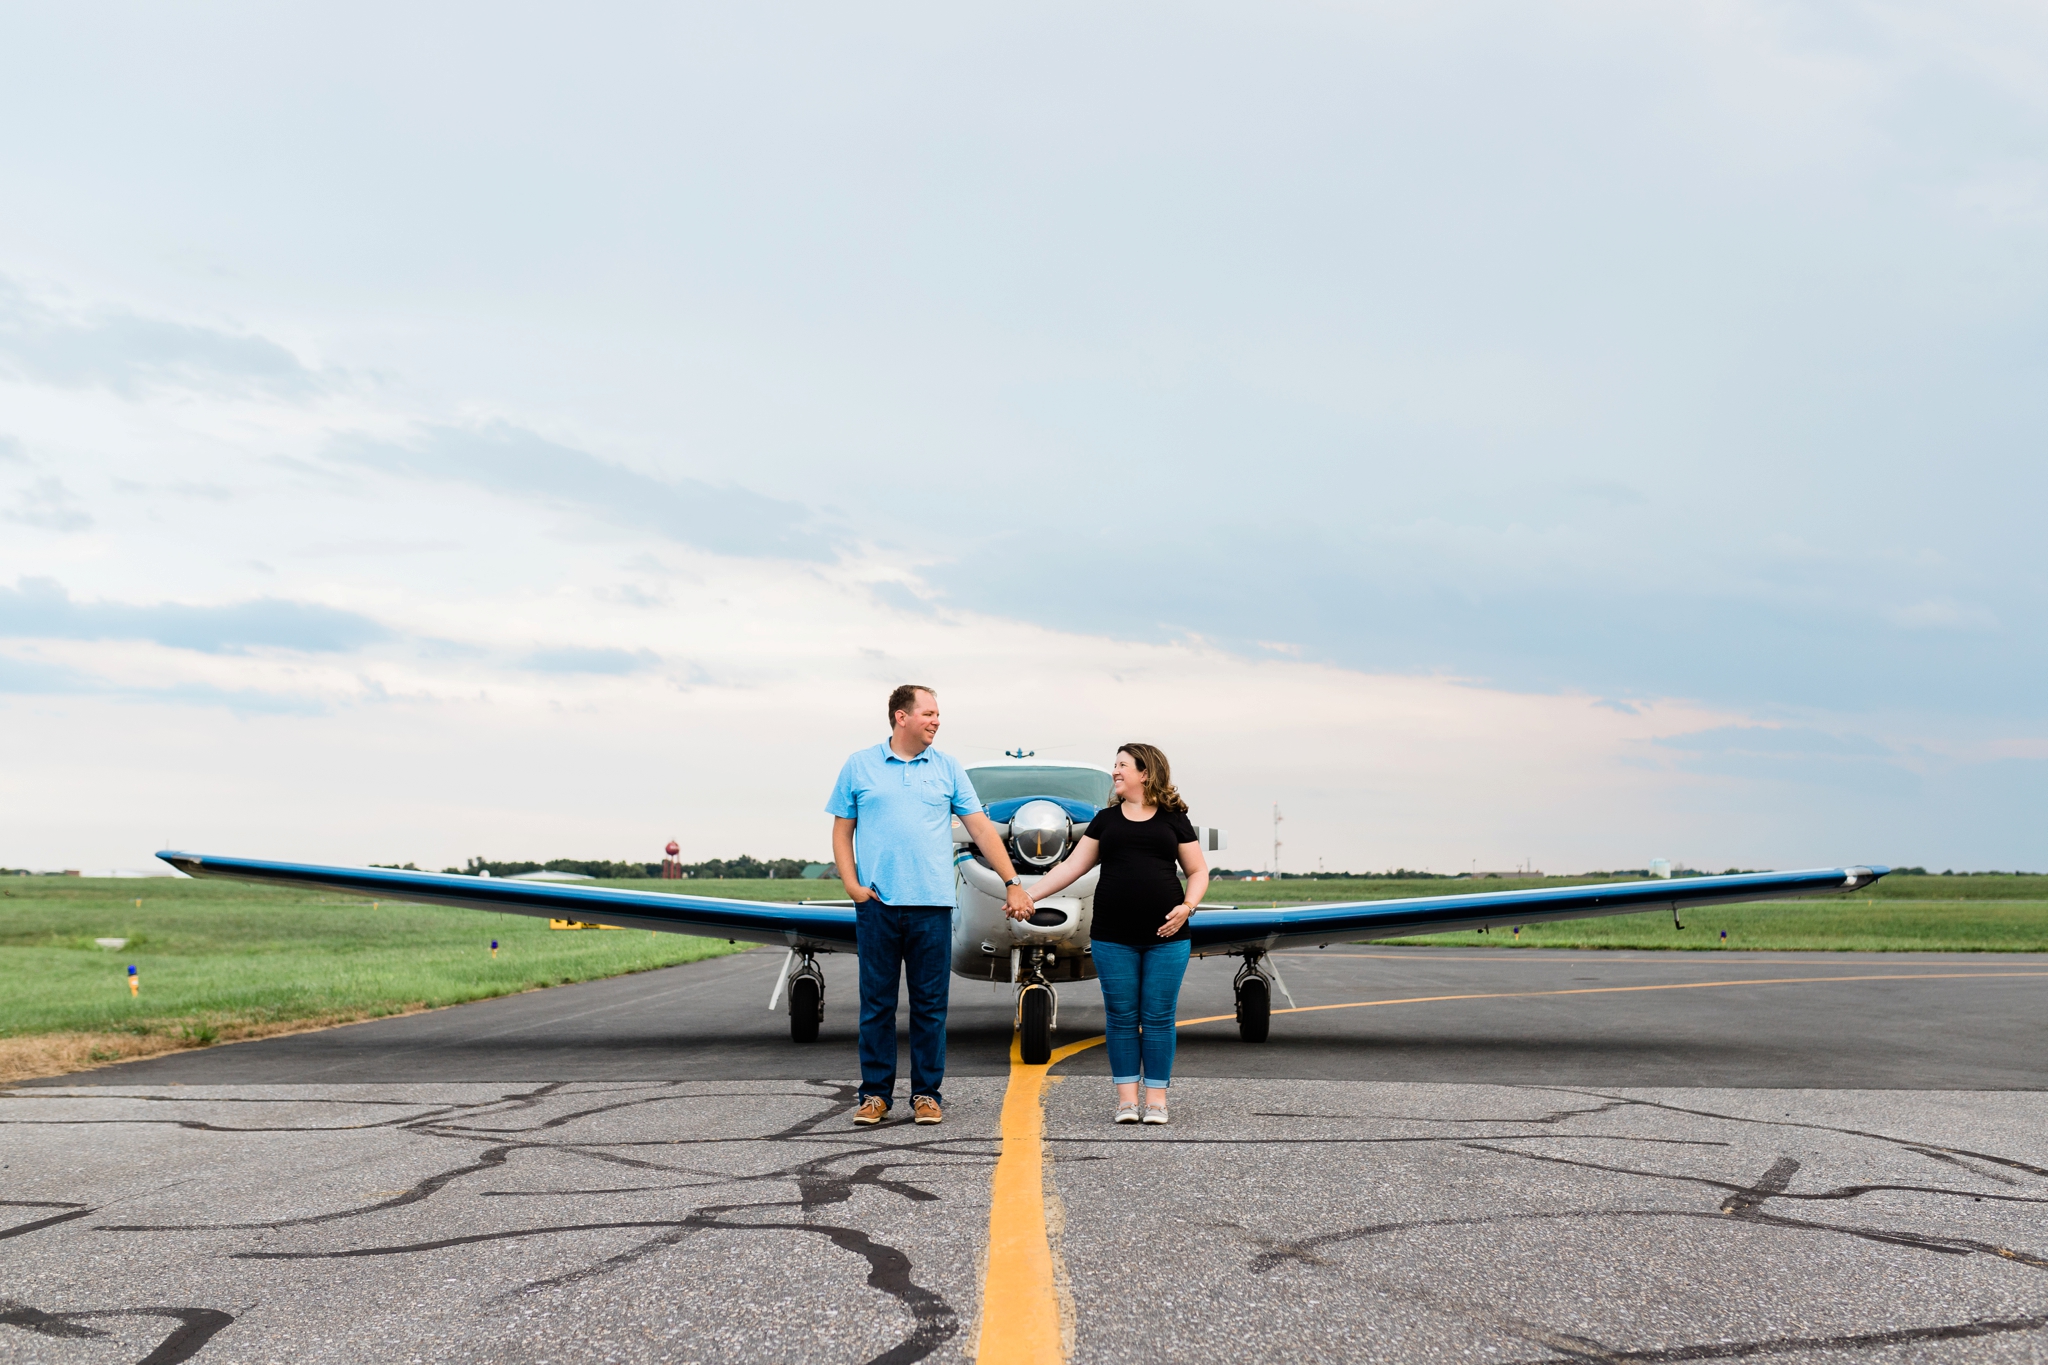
column 1038, row 1009
column 1254, row 990
column 806, row 998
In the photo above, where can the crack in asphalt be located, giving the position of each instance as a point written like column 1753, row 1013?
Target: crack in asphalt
column 1746, row 1201
column 1932, row 1149
column 889, row 1269
column 196, row 1326
column 1771, row 1185
column 1305, row 1250
column 23, row 1229
column 819, row 1182
column 427, row 1188
column 1555, row 1116
column 1143, row 1139
column 1771, row 1346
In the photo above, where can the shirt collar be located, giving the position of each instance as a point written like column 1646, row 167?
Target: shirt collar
column 890, row 755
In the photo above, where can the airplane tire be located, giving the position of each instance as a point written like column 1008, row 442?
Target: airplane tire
column 1254, row 1009
column 806, row 1008
column 1035, row 1031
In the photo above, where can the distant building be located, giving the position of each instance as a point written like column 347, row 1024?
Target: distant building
column 545, row 876
column 1660, row 867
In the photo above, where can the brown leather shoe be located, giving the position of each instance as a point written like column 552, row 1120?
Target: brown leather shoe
column 872, row 1107
column 926, row 1109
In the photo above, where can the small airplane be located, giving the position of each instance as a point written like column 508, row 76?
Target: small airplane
column 1041, row 809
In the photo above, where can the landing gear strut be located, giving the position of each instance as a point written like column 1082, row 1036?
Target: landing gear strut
column 1254, row 1000
column 1038, row 1009
column 806, row 1000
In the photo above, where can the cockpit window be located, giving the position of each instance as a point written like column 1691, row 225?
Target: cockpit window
column 1071, row 784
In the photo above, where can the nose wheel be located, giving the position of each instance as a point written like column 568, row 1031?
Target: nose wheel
column 1034, row 1025
column 1038, row 1012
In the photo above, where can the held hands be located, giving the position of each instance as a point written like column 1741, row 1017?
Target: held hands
column 1175, row 919
column 1017, row 903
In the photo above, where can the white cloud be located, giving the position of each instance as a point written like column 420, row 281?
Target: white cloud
column 48, row 505
column 1944, row 614
column 127, row 352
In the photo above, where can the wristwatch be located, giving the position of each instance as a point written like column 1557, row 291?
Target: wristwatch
column 1014, row 881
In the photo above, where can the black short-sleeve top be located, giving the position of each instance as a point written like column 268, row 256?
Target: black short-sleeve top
column 1140, row 879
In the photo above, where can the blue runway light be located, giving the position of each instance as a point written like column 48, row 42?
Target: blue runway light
column 131, row 969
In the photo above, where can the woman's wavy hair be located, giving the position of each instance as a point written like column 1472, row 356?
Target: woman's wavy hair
column 1159, row 788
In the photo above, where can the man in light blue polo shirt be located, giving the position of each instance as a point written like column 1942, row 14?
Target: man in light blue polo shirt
column 892, row 838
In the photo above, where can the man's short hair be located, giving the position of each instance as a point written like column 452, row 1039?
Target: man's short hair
column 904, row 698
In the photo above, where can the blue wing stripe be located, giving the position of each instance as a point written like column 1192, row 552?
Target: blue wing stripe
column 806, row 926
column 1218, row 930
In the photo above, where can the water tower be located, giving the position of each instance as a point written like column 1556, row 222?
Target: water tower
column 671, row 866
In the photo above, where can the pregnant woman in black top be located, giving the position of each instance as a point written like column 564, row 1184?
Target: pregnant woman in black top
column 1140, row 933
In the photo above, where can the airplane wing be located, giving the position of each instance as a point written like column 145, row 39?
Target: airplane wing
column 817, row 928
column 1223, row 931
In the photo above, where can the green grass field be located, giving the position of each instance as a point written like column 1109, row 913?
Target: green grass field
column 221, row 960
column 1898, row 914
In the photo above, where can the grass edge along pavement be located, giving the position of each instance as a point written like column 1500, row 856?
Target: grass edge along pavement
column 288, row 961
column 221, row 961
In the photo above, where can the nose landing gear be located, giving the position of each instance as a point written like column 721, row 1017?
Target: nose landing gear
column 1038, row 1009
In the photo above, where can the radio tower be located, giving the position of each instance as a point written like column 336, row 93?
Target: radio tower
column 1277, row 818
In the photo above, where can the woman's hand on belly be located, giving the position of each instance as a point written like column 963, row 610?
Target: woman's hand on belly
column 1176, row 918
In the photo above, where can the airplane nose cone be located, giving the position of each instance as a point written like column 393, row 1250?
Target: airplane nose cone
column 1039, row 832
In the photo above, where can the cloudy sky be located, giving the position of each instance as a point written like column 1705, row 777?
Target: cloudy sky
column 1499, row 434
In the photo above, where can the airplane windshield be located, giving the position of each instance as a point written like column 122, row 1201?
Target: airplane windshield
column 1072, row 784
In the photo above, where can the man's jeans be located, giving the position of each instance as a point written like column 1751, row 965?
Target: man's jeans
column 913, row 941
column 1140, row 988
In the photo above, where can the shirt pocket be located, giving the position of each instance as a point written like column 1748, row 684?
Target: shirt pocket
column 935, row 793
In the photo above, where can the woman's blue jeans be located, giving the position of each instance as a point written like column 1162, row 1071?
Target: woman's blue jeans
column 1140, row 990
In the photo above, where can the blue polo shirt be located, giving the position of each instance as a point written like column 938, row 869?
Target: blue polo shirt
column 904, row 809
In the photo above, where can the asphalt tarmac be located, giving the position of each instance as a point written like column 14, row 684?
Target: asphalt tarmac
column 1469, row 1155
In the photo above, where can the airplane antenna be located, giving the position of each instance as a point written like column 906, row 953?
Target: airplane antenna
column 1277, row 818
column 1020, row 752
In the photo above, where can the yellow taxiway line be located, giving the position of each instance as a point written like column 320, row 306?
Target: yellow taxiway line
column 1020, row 1309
